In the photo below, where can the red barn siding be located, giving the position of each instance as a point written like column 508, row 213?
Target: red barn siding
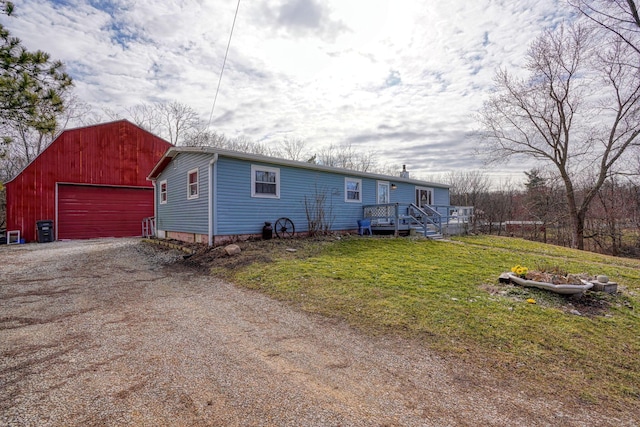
column 118, row 154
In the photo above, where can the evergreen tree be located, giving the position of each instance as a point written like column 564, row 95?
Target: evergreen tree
column 31, row 85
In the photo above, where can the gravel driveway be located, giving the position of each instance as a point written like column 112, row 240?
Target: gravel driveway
column 113, row 332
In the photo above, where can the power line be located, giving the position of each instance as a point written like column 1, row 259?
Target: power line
column 215, row 98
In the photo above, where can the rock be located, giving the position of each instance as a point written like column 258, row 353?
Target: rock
column 575, row 312
column 504, row 278
column 602, row 278
column 232, row 249
column 291, row 250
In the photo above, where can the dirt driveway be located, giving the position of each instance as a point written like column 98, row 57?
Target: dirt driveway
column 112, row 332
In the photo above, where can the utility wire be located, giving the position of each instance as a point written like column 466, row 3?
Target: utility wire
column 215, row 98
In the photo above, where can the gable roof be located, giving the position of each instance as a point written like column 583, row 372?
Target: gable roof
column 61, row 135
column 175, row 151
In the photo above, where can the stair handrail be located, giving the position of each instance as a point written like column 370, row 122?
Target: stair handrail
column 427, row 213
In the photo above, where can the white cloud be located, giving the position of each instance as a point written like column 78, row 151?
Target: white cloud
column 403, row 78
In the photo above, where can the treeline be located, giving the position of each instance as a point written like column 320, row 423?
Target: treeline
column 537, row 210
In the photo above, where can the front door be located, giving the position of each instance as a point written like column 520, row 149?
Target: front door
column 424, row 196
column 383, row 192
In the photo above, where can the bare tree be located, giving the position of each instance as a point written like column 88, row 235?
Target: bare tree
column 617, row 17
column 544, row 201
column 172, row 121
column 466, row 187
column 345, row 157
column 578, row 110
column 177, row 119
column 495, row 207
column 144, row 115
column 294, row 149
column 205, row 138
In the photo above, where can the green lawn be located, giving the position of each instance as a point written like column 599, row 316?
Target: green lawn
column 447, row 294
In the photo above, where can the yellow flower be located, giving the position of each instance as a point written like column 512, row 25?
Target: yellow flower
column 520, row 271
column 531, row 301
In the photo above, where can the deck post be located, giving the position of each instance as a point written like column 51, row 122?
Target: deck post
column 396, row 231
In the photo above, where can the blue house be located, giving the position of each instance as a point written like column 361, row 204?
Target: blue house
column 215, row 196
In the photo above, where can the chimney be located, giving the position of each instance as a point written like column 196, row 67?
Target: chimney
column 404, row 173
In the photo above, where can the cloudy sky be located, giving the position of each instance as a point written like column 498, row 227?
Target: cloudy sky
column 401, row 78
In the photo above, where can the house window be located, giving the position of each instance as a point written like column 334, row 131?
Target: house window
column 383, row 192
column 163, row 192
column 265, row 182
column 192, row 184
column 424, row 196
column 352, row 190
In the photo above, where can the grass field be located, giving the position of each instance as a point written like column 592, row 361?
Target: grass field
column 447, row 295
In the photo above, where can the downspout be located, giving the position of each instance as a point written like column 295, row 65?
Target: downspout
column 210, row 204
column 156, row 200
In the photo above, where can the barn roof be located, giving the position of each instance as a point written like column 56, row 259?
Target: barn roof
column 79, row 129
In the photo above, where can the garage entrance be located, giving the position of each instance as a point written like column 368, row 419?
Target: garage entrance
column 91, row 211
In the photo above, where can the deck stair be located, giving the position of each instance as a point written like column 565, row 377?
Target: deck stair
column 432, row 233
column 425, row 220
column 397, row 218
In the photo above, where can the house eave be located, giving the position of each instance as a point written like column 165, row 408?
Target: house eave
column 174, row 151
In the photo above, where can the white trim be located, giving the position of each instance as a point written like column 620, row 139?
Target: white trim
column 276, row 171
column 189, row 195
column 166, row 192
column 55, row 214
column 386, row 184
column 346, row 190
column 15, row 234
column 429, row 189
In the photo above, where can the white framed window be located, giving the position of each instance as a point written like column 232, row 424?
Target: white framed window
column 265, row 182
column 163, row 192
column 424, row 196
column 353, row 190
column 192, row 184
column 383, row 193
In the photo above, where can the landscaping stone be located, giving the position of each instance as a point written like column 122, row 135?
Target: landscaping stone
column 608, row 287
column 232, row 249
column 504, row 278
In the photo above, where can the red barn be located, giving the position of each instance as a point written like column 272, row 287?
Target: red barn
column 90, row 181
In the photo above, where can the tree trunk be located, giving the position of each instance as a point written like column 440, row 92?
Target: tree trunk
column 577, row 232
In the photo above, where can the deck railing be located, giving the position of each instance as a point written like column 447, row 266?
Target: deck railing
column 443, row 219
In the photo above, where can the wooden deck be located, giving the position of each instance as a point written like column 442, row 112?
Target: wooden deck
column 403, row 229
column 430, row 221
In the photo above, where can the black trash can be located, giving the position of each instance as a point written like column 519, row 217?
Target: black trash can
column 45, row 231
column 267, row 231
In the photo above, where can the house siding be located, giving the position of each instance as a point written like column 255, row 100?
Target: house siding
column 236, row 213
column 239, row 213
column 441, row 196
column 181, row 213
